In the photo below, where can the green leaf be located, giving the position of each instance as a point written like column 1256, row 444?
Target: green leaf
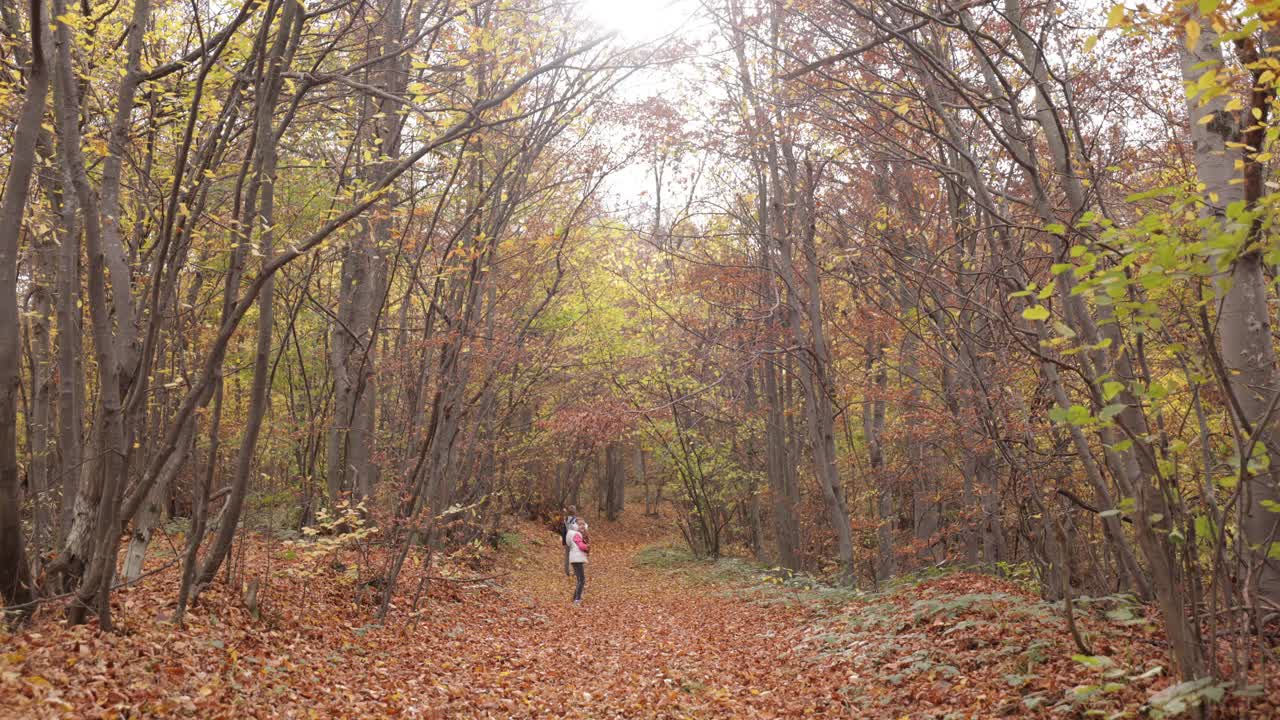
column 1093, row 661
column 1110, row 389
column 1036, row 312
column 1208, row 6
column 1204, row 527
column 1112, row 410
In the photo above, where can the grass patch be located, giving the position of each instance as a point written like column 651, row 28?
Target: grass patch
column 666, row 557
column 757, row 581
column 678, row 560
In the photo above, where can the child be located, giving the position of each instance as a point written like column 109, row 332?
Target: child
column 570, row 524
column 578, row 550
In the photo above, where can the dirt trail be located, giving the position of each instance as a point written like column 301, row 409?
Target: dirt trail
column 645, row 643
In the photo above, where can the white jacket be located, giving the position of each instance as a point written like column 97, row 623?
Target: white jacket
column 575, row 553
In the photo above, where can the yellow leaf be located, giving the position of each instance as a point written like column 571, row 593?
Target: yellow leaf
column 1116, row 16
column 1193, row 33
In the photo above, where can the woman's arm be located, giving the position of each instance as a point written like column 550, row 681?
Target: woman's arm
column 581, row 543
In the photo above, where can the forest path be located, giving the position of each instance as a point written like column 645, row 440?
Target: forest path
column 645, row 643
column 659, row 636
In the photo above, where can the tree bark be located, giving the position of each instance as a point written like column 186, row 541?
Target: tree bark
column 15, row 573
column 1243, row 314
column 108, row 471
column 289, row 27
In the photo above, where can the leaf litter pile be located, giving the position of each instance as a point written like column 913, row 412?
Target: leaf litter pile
column 659, row 635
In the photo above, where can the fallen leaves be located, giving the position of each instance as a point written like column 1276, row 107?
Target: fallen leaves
column 645, row 644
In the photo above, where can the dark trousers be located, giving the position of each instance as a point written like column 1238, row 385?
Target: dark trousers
column 566, row 560
column 580, row 571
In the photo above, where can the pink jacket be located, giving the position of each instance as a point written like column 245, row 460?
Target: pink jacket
column 578, row 548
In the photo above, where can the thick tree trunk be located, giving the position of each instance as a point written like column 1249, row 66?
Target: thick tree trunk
column 615, row 474
column 15, row 573
column 1243, row 319
column 108, row 471
column 109, row 199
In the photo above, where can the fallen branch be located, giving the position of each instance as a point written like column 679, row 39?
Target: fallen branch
column 63, row 596
column 469, row 580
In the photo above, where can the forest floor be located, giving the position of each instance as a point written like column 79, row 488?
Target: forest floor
column 660, row 635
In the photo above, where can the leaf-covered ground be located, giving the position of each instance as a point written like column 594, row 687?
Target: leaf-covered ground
column 659, row 636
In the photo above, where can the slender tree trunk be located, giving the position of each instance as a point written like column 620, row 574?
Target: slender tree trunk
column 276, row 63
column 38, row 332
column 818, row 409
column 873, row 410
column 153, row 507
column 782, row 488
column 70, row 353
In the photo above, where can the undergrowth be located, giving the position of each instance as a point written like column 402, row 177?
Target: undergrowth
column 944, row 632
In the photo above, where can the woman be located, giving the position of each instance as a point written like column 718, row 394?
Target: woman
column 575, row 538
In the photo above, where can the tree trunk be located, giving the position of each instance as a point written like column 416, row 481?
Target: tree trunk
column 15, row 573
column 873, row 408
column 108, row 470
column 153, row 507
column 269, row 91
column 1243, row 317
column 615, row 481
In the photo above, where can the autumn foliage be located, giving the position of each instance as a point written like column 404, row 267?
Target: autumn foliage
column 938, row 337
